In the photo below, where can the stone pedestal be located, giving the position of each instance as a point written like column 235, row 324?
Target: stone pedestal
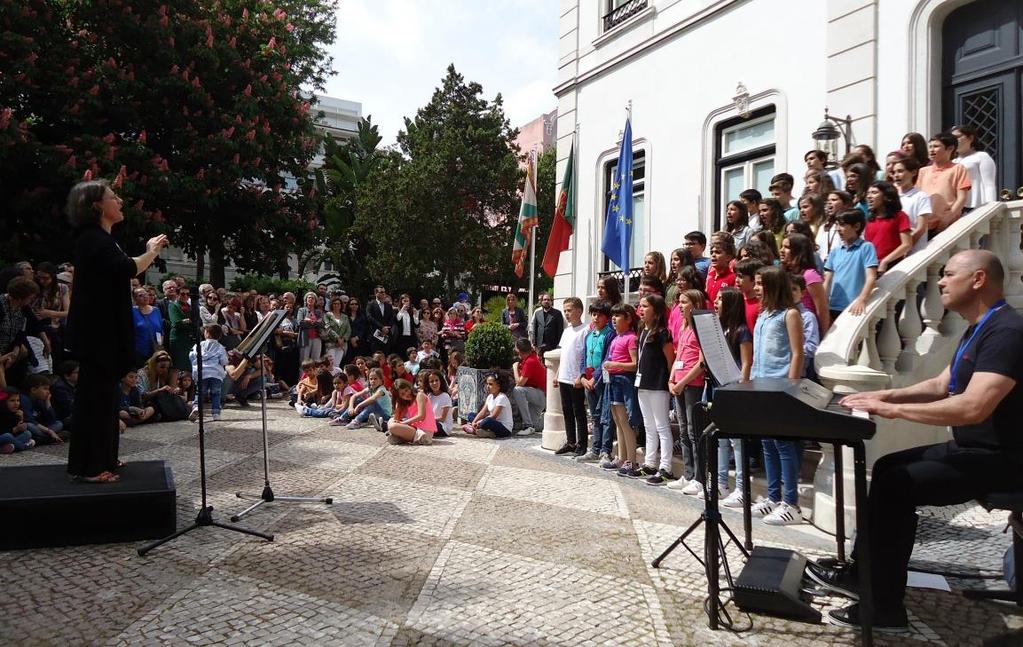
column 554, row 435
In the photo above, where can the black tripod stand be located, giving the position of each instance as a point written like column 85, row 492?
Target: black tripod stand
column 205, row 515
column 711, row 516
column 267, row 495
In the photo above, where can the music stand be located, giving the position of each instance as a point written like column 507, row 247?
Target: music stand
column 205, row 515
column 721, row 369
column 252, row 346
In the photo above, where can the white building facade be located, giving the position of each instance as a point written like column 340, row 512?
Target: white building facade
column 726, row 93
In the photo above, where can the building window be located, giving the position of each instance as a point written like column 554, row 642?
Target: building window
column 618, row 11
column 745, row 158
column 640, row 221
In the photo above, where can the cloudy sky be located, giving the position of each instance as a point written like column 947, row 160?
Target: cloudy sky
column 391, row 54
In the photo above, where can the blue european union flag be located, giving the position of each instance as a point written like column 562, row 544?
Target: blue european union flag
column 618, row 224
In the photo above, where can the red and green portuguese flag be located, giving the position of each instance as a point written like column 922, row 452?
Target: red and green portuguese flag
column 528, row 219
column 564, row 219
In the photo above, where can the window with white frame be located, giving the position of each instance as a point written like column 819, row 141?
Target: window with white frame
column 640, row 222
column 744, row 158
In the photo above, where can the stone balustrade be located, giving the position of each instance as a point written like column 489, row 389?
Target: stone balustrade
column 554, row 435
column 893, row 345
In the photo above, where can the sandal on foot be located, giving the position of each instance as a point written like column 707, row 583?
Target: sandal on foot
column 102, row 477
column 121, row 463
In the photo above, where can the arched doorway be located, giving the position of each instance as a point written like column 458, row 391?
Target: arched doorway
column 982, row 78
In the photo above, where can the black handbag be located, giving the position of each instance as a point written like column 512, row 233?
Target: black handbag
column 171, row 407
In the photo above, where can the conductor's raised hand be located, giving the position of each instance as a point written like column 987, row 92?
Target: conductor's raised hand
column 157, row 243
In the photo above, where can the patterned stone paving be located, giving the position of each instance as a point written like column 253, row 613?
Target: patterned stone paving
column 466, row 542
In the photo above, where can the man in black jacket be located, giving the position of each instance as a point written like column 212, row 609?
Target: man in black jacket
column 380, row 313
column 548, row 324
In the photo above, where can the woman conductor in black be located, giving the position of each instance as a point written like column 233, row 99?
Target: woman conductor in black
column 100, row 333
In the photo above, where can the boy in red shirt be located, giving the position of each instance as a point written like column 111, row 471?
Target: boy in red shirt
column 530, row 381
column 720, row 274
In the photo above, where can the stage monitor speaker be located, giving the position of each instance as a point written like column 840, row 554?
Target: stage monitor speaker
column 771, row 583
column 40, row 507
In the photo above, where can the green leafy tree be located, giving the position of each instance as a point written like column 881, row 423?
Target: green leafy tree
column 446, row 204
column 194, row 107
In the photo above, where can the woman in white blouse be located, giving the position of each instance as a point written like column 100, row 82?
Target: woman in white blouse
column 979, row 164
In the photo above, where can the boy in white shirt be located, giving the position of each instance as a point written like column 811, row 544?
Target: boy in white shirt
column 569, row 384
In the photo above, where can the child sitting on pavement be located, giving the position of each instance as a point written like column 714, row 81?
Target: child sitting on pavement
column 14, row 433
column 414, row 422
column 38, row 413
column 335, row 405
column 131, row 410
column 373, row 399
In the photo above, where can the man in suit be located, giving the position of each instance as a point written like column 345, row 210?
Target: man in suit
column 380, row 313
column 548, row 324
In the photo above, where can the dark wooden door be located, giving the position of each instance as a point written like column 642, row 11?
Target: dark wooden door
column 982, row 68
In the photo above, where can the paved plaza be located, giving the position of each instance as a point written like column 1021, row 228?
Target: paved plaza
column 469, row 541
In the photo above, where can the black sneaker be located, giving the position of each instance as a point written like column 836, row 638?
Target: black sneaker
column 242, row 402
column 567, row 448
column 581, row 450
column 839, row 579
column 629, row 471
column 646, row 470
column 662, row 477
column 892, row 622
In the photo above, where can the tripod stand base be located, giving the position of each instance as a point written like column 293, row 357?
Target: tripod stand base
column 268, row 496
column 204, row 518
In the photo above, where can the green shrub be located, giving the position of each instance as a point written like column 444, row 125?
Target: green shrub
column 270, row 284
column 490, row 345
column 492, row 309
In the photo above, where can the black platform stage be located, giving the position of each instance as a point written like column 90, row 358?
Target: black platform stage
column 39, row 506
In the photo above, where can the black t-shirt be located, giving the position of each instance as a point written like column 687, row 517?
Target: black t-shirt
column 652, row 365
column 998, row 348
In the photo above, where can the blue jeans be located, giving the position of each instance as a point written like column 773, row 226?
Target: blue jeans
column 781, row 465
column 599, row 411
column 492, row 424
column 18, row 440
column 724, row 444
column 372, row 407
column 39, row 436
column 688, row 434
column 213, row 387
column 326, row 411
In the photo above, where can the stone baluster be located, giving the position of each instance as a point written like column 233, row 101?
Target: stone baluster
column 1013, row 257
column 932, row 308
column 554, row 435
column 910, row 328
column 888, row 343
column 868, row 351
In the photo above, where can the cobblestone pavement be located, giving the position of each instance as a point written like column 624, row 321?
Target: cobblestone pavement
column 466, row 542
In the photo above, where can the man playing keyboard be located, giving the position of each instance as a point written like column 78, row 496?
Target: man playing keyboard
column 980, row 396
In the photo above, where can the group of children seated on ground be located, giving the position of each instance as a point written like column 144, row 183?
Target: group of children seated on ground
column 410, row 401
column 39, row 416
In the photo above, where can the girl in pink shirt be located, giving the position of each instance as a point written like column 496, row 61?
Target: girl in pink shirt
column 413, row 420
column 619, row 378
column 686, row 385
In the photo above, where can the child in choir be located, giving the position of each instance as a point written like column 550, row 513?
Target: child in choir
column 686, row 387
column 620, row 377
column 732, row 313
column 850, row 271
column 745, row 281
column 597, row 343
column 720, row 274
column 811, row 333
column 655, row 356
column 778, row 352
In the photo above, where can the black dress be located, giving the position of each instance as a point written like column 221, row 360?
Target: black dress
column 100, row 335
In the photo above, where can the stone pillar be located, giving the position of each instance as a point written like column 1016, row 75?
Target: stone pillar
column 554, row 435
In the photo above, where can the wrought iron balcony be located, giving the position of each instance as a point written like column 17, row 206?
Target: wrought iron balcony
column 622, row 13
column 635, row 274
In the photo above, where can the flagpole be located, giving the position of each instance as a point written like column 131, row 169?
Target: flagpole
column 628, row 261
column 532, row 244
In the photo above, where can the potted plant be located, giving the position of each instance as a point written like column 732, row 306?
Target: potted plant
column 489, row 348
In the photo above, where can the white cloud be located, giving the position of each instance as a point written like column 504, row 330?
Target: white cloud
column 391, row 54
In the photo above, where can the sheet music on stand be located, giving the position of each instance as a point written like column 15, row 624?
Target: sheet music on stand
column 257, row 338
column 716, row 354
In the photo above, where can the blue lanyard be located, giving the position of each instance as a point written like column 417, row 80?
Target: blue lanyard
column 963, row 345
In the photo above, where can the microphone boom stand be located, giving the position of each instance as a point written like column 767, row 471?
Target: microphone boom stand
column 205, row 516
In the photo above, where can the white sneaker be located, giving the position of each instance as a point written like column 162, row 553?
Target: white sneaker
column 721, row 493
column 733, row 500
column 216, row 417
column 764, row 507
column 678, row 484
column 693, row 488
column 300, row 408
column 784, row 515
column 194, row 415
column 525, row 431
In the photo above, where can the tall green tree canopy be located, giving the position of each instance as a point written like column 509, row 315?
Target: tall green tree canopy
column 444, row 204
column 194, row 109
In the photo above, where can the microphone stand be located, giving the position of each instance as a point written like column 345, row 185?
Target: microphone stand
column 205, row 516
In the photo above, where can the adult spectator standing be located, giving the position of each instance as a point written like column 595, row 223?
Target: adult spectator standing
column 406, row 320
column 529, row 394
column 358, row 343
column 310, row 324
column 100, row 326
column 337, row 330
column 148, row 325
column 548, row 324
column 946, row 182
column 180, row 331
column 52, row 306
column 380, row 314
column 170, row 293
column 981, row 397
column 514, row 318
column 17, row 322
